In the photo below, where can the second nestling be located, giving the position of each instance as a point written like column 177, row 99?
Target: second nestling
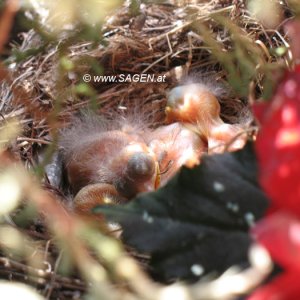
column 112, row 160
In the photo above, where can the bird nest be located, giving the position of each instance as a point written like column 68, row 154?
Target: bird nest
column 173, row 40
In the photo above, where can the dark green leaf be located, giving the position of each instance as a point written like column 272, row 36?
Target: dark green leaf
column 198, row 223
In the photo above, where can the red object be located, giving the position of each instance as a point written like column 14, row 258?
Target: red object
column 284, row 287
column 278, row 145
column 278, row 152
column 280, row 234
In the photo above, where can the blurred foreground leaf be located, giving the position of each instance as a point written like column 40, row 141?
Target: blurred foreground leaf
column 14, row 290
column 10, row 192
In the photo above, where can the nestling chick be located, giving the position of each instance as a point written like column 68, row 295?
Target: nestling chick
column 112, row 160
column 196, row 105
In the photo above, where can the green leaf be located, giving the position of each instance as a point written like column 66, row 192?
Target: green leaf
column 198, row 223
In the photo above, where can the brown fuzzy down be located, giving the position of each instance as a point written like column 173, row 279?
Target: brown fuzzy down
column 210, row 83
column 88, row 125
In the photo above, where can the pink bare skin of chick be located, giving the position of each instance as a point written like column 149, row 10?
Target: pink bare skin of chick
column 112, row 161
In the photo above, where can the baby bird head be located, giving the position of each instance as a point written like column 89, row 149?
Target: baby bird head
column 192, row 103
column 97, row 150
column 136, row 170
